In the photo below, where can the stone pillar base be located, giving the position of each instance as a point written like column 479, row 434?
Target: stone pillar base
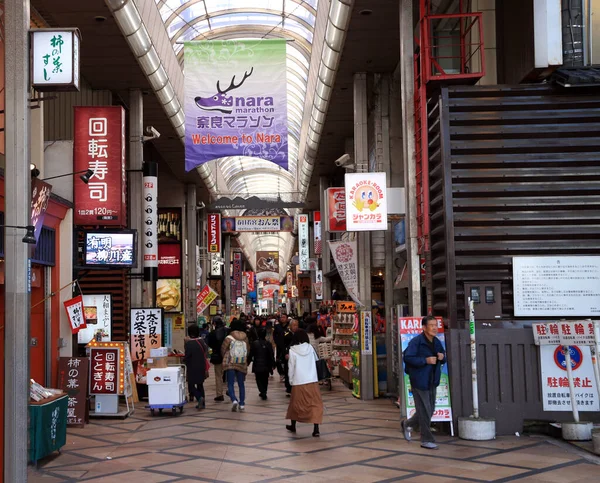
column 480, row 429
column 581, row 431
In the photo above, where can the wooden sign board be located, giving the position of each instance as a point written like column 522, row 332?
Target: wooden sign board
column 73, row 379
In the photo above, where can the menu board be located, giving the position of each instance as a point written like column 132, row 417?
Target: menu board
column 556, row 286
column 73, row 380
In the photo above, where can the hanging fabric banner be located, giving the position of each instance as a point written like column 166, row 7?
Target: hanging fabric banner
column 74, row 308
column 318, row 245
column 303, row 242
column 346, row 261
column 235, row 100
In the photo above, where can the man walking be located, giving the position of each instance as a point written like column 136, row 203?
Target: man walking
column 215, row 341
column 279, row 335
column 423, row 359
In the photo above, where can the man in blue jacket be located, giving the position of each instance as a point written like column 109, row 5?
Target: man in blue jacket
column 423, row 359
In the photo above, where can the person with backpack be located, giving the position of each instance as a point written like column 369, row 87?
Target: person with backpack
column 423, row 359
column 195, row 359
column 215, row 341
column 235, row 350
column 263, row 361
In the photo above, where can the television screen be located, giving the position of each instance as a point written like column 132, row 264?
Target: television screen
column 110, row 248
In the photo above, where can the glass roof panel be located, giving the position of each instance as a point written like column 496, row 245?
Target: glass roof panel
column 292, row 19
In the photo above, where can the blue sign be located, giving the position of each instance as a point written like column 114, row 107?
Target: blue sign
column 576, row 357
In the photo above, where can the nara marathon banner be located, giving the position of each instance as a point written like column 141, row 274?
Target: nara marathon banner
column 235, row 100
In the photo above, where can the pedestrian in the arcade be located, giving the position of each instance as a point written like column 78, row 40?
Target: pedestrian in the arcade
column 263, row 361
column 235, row 352
column 423, row 359
column 215, row 341
column 196, row 354
column 306, row 405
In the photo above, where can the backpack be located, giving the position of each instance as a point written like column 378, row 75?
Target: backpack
column 238, row 351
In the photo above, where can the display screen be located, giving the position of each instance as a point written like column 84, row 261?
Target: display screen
column 110, row 248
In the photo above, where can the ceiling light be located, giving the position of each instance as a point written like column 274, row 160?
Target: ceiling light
column 99, row 18
column 366, row 12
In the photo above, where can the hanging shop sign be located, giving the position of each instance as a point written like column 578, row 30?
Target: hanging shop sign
column 252, row 203
column 205, row 297
column 366, row 332
column 75, row 312
column 319, row 285
column 98, row 319
column 99, row 145
column 168, row 294
column 267, row 265
column 318, row 240
column 345, row 258
column 303, row 247
column 257, row 224
column 313, row 264
column 146, row 331
column 235, row 100
column 289, row 282
column 556, row 286
column 336, row 209
column 169, row 225
column 344, row 307
column 40, row 196
column 150, row 230
column 366, row 201
column 73, row 380
column 214, row 233
column 408, row 329
column 55, row 59
column 250, row 283
column 215, row 265
column 169, row 260
column 237, row 273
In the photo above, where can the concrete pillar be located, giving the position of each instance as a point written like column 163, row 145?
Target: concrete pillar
column 326, row 253
column 410, row 181
column 361, row 158
column 191, row 238
column 17, row 212
column 134, row 181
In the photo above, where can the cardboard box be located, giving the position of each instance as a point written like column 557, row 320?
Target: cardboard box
column 346, row 375
column 160, row 352
column 156, row 362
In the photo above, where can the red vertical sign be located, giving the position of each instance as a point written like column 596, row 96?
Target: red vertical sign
column 99, row 145
column 237, row 273
column 318, row 239
column 336, row 207
column 214, row 233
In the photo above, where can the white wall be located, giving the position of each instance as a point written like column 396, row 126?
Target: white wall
column 58, row 159
column 65, row 269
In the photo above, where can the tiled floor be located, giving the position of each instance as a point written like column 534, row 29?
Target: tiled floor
column 360, row 442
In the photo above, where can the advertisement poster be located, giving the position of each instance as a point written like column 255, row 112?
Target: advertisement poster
column 556, row 286
column 235, row 224
column 366, row 201
column 235, row 100
column 98, row 319
column 99, row 145
column 150, row 235
column 345, row 258
column 104, row 370
column 214, row 233
column 409, row 328
column 146, row 331
column 555, row 384
column 40, row 195
column 303, row 248
column 267, row 265
column 336, row 209
column 169, row 260
column 74, row 308
column 168, row 294
column 318, row 239
column 205, row 297
column 169, row 225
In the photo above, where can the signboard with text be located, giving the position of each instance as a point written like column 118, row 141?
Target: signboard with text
column 104, row 370
column 146, row 331
column 75, row 313
column 55, row 59
column 336, row 209
column 40, row 196
column 150, row 230
column 317, row 238
column 303, row 247
column 99, row 145
column 98, row 318
column 237, row 273
column 169, row 260
column 73, row 380
column 556, row 286
column 257, row 224
column 366, row 201
column 205, row 297
column 214, row 233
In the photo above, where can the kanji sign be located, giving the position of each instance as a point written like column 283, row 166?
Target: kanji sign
column 346, row 262
column 169, row 260
column 366, row 332
column 366, row 201
column 150, row 230
column 214, row 233
column 303, row 247
column 55, row 59
column 257, row 224
column 104, row 370
column 546, row 333
column 146, row 331
column 99, row 145
column 576, row 333
column 73, row 379
column 237, row 273
column 318, row 240
column 205, row 297
column 75, row 312
column 336, row 209
column 98, row 318
column 343, row 307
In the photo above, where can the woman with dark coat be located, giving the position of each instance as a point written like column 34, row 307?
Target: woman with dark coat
column 196, row 353
column 263, row 359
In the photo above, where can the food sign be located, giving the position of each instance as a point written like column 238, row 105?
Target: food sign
column 104, row 370
column 146, row 331
column 72, row 379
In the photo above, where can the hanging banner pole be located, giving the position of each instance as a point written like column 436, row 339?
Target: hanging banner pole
column 567, row 353
column 473, row 359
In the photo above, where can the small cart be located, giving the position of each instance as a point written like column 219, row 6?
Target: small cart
column 166, row 389
column 171, row 407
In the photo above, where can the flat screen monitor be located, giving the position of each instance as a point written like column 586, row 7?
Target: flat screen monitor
column 115, row 248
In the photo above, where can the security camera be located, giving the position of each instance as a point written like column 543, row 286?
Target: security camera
column 151, row 134
column 343, row 161
column 200, row 205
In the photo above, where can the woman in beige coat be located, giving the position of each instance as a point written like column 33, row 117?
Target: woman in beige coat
column 235, row 350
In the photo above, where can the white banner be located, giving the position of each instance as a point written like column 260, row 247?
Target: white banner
column 345, row 258
column 98, row 319
column 319, row 285
column 303, row 246
column 150, row 235
column 215, row 264
column 366, row 201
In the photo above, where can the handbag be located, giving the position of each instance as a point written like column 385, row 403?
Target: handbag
column 207, row 366
column 322, row 370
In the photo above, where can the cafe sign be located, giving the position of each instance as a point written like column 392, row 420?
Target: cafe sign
column 55, row 59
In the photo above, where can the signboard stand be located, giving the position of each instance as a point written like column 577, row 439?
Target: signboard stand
column 475, row 428
column 567, row 352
